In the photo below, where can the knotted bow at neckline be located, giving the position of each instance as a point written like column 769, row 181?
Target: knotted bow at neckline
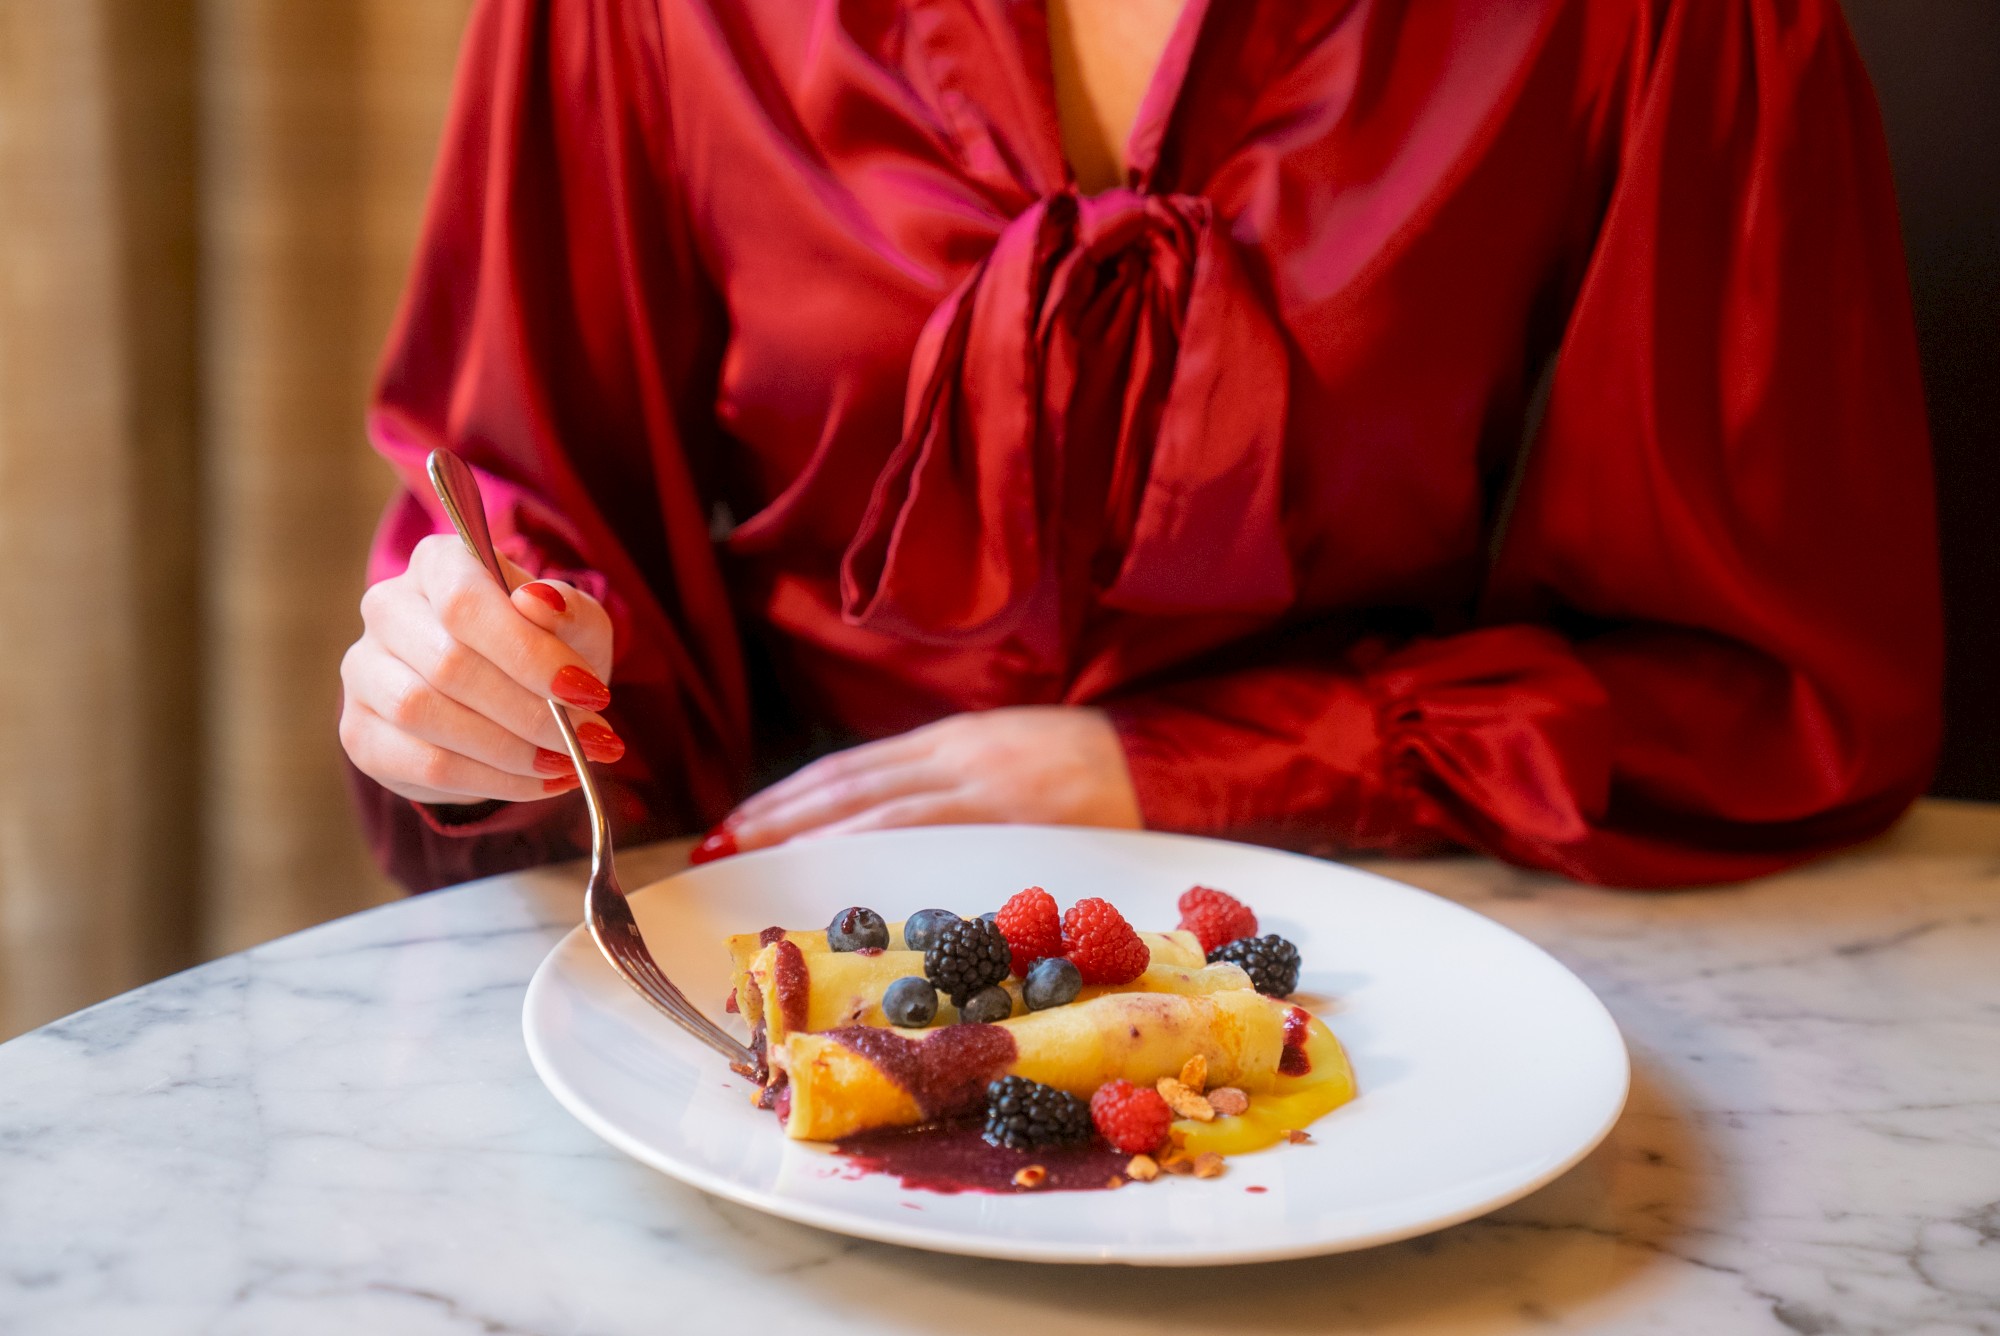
column 1094, row 420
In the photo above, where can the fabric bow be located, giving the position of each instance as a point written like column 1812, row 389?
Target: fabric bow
column 1095, row 419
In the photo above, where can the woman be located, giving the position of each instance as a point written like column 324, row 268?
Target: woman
column 1361, row 425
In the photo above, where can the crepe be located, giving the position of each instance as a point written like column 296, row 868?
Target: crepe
column 862, row 1079
column 845, row 987
column 829, row 989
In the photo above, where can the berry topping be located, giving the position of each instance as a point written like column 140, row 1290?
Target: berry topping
column 922, row 927
column 910, row 1002
column 1026, row 1115
column 1033, row 927
column 1051, row 983
column 965, row 957
column 987, row 1006
column 1215, row 918
column 1101, row 944
column 854, row 928
column 1271, row 962
column 1134, row 1119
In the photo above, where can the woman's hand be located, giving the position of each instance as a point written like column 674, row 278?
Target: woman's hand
column 1058, row 764
column 444, row 692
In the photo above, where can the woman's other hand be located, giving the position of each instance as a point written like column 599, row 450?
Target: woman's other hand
column 445, row 690
column 1056, row 764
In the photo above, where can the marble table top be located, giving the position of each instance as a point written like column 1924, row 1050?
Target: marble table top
column 339, row 1132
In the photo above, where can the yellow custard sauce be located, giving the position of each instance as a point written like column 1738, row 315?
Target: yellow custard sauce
column 1291, row 1104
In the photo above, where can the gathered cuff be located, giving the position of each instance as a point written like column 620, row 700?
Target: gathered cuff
column 1248, row 756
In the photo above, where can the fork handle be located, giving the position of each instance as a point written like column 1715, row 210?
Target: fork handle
column 457, row 489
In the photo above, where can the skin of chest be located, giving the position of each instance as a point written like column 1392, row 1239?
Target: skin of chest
column 1104, row 53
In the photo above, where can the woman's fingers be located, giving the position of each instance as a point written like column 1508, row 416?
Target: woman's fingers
column 419, row 745
column 400, row 624
column 935, row 808
column 394, row 692
column 1059, row 764
column 478, row 616
column 431, row 774
column 838, row 796
column 835, row 769
column 570, row 615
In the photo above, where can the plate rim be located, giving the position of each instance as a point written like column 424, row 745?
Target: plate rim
column 930, row 1238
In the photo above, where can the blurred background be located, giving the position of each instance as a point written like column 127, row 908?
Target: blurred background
column 206, row 209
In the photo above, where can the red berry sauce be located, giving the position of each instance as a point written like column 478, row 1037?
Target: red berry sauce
column 946, row 1072
column 791, row 984
column 1298, row 1026
column 954, row 1157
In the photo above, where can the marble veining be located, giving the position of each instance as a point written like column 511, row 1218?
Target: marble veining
column 339, row 1132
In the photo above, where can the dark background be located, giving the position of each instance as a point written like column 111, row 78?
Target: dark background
column 1936, row 65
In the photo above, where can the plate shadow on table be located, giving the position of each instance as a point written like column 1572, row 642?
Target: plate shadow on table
column 1584, row 1243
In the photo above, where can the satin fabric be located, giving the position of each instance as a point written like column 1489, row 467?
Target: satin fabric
column 1473, row 423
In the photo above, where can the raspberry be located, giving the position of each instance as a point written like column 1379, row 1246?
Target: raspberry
column 1215, row 918
column 1032, row 926
column 1101, row 944
column 1134, row 1119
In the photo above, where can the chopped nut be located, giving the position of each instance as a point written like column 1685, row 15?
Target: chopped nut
column 1114, row 1182
column 1298, row 1138
column 1194, row 1073
column 1208, row 1165
column 1184, row 1102
column 1228, row 1100
column 1177, row 1164
column 1143, row 1168
column 1031, row 1177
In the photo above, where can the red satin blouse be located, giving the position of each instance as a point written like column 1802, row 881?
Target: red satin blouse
column 1476, row 422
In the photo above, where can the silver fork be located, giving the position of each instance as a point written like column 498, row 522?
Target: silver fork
column 605, row 907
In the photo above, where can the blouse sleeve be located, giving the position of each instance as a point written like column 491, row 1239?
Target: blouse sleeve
column 556, row 332
column 1710, row 641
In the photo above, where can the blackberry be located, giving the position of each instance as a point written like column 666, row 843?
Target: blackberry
column 1271, row 962
column 1026, row 1115
column 965, row 957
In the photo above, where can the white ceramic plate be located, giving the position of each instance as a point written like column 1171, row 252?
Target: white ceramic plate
column 1485, row 1068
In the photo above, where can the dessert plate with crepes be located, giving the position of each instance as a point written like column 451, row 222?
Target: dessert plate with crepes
column 1455, row 1066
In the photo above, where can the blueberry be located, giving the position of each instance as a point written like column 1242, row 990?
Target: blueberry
column 855, row 929
column 1051, row 982
column 922, row 928
column 910, row 1002
column 986, row 1006
column 990, row 916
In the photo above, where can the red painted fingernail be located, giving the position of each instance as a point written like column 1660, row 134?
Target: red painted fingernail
column 552, row 763
column 600, row 743
column 548, row 594
column 718, row 843
column 560, row 784
column 578, row 687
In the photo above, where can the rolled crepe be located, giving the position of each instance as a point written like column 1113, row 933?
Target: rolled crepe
column 845, row 1082
column 831, row 989
column 847, row 985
